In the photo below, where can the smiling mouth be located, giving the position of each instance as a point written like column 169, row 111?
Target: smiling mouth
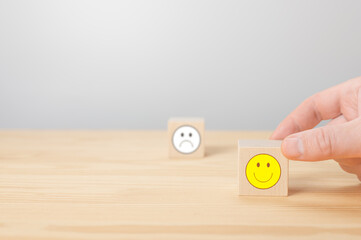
column 254, row 174
column 180, row 145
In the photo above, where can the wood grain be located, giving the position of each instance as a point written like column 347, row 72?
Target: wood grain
column 122, row 185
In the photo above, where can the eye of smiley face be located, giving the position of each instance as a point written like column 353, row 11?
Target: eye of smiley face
column 263, row 171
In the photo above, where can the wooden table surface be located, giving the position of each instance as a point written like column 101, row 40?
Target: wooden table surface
column 121, row 185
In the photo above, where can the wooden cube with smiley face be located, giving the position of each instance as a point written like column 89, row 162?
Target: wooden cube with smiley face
column 186, row 137
column 262, row 168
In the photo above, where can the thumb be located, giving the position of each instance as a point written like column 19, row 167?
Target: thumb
column 329, row 142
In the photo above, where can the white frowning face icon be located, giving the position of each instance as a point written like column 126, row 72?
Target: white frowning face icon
column 186, row 139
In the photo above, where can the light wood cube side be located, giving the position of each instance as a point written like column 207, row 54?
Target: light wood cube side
column 186, row 137
column 262, row 168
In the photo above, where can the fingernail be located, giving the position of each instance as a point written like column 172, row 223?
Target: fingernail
column 292, row 147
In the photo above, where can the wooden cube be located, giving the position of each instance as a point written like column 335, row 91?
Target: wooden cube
column 262, row 168
column 186, row 137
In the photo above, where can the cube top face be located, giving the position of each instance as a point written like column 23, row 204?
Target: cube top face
column 263, row 170
column 185, row 136
column 259, row 143
column 183, row 119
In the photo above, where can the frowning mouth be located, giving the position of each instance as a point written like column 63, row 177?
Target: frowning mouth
column 254, row 174
column 184, row 141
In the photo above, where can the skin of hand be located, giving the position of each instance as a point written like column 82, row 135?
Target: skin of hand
column 340, row 139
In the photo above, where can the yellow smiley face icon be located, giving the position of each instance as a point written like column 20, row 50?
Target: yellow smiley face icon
column 263, row 171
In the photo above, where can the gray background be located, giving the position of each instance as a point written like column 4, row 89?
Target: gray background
column 134, row 64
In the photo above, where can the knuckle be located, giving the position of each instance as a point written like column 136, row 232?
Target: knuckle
column 325, row 141
column 313, row 101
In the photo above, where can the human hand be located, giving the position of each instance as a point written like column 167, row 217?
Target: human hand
column 340, row 139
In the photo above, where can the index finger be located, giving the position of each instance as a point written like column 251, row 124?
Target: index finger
column 321, row 106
